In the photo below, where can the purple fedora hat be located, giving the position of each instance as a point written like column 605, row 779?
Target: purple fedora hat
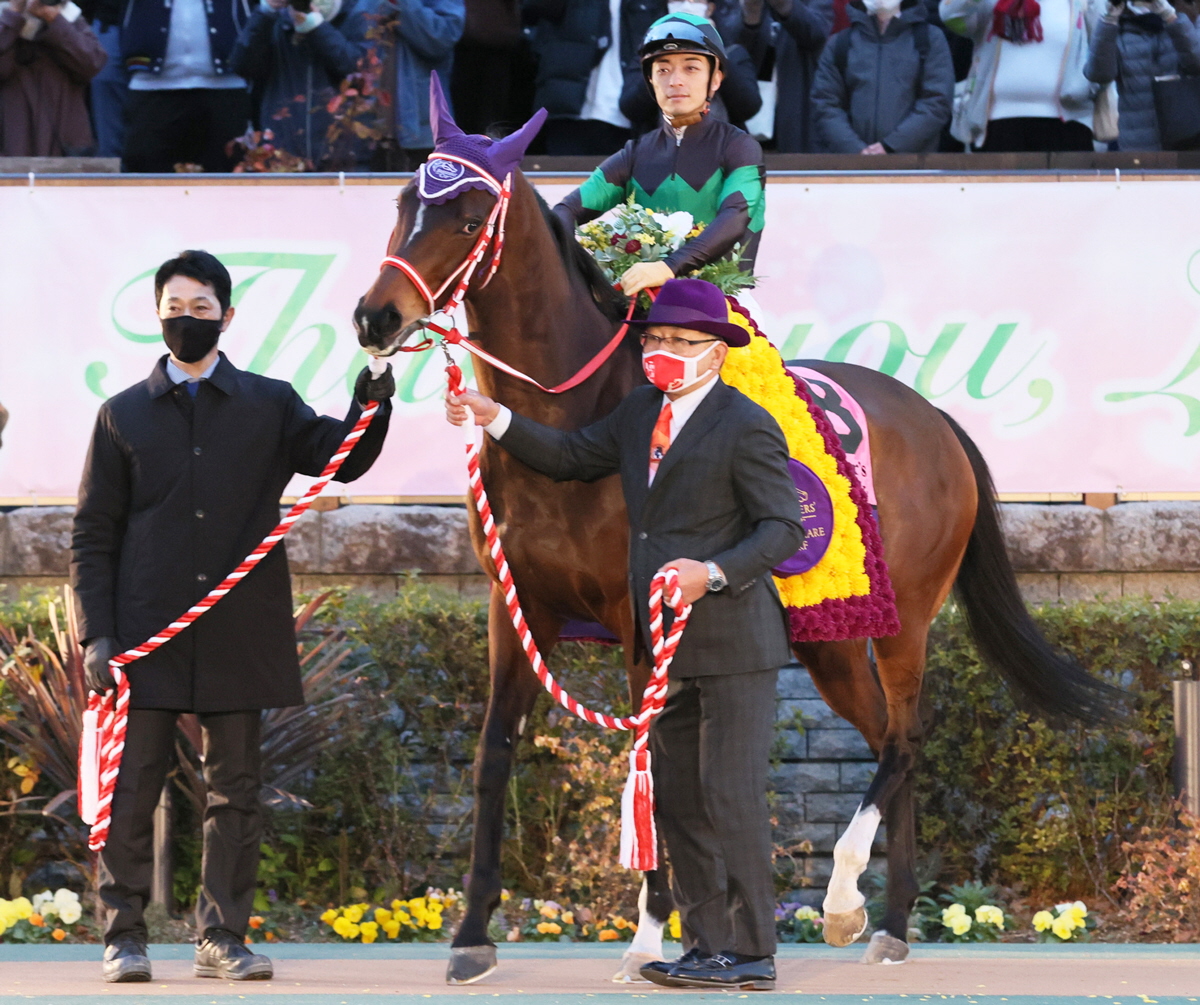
column 698, row 305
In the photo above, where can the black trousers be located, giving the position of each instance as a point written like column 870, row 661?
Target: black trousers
column 710, row 752
column 1032, row 135
column 232, row 821
column 190, row 126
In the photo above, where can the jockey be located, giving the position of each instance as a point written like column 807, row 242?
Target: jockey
column 692, row 162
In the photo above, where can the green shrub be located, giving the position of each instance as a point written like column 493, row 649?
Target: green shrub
column 1008, row 799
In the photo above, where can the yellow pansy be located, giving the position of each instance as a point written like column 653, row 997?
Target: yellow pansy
column 434, row 923
column 953, row 911
column 806, row 914
column 353, row 914
column 1043, row 920
column 345, row 928
column 960, row 924
column 608, row 935
column 675, row 926
column 568, row 918
column 392, row 928
column 989, row 914
column 383, row 915
column 546, row 911
column 1063, row 926
column 330, row 916
column 369, row 930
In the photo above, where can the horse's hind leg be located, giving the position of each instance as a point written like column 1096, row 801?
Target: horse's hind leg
column 514, row 689
column 901, row 663
column 843, row 675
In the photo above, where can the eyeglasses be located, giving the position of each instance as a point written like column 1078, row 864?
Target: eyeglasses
column 676, row 345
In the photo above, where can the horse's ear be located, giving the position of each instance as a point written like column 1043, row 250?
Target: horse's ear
column 512, row 148
column 442, row 122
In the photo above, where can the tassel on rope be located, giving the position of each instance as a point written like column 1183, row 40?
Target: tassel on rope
column 639, row 844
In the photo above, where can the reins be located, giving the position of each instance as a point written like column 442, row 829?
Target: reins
column 639, row 844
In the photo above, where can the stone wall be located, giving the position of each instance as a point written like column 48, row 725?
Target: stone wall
column 1061, row 553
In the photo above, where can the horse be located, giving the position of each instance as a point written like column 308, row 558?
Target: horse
column 546, row 311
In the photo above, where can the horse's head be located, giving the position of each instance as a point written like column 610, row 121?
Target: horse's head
column 442, row 215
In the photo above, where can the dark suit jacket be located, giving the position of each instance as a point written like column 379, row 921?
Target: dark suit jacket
column 722, row 492
column 175, row 493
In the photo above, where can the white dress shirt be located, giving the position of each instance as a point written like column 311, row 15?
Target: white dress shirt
column 178, row 376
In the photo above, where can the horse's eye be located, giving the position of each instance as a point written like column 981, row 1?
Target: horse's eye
column 472, row 226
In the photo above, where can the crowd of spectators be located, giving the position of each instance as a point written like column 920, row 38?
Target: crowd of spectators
column 168, row 85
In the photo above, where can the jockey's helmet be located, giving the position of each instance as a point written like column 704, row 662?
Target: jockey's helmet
column 681, row 32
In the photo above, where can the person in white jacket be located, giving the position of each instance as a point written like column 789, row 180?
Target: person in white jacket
column 1026, row 90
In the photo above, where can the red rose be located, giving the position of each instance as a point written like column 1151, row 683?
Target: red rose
column 616, row 239
column 633, row 247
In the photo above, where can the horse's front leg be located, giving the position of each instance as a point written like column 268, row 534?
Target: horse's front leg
column 655, row 902
column 655, row 905
column 514, row 689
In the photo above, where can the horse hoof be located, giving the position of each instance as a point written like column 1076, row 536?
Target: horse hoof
column 842, row 929
column 884, row 948
column 469, row 964
column 631, row 967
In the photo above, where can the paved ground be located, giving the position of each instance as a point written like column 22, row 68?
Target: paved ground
column 569, row 975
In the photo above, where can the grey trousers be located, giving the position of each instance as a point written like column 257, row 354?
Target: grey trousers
column 232, row 821
column 710, row 751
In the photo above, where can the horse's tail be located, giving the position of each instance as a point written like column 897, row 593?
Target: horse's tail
column 1006, row 635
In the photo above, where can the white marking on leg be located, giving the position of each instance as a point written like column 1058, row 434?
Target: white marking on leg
column 649, row 936
column 851, row 855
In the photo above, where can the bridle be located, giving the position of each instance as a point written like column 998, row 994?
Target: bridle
column 492, row 235
column 440, row 321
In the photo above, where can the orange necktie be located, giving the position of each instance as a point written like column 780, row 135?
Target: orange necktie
column 660, row 440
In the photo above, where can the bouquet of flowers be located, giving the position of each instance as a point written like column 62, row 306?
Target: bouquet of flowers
column 636, row 234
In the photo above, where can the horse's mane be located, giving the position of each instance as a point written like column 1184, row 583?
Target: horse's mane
column 612, row 303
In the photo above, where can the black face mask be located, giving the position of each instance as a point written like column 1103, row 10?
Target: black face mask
column 190, row 339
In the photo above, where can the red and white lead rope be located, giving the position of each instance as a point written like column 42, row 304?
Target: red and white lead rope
column 639, row 846
column 107, row 716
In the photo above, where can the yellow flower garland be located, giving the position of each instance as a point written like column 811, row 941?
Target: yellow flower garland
column 757, row 371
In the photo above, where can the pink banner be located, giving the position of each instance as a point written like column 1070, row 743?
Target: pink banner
column 1056, row 320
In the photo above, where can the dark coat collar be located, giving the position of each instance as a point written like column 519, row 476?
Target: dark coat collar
column 224, row 377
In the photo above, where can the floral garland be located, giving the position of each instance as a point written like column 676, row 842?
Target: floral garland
column 848, row 593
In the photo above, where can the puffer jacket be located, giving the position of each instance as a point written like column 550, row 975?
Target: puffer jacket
column 1133, row 51
column 792, row 46
column 570, row 37
column 973, row 100
column 888, row 94
column 296, row 74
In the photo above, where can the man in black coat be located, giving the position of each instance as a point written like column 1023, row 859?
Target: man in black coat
column 182, row 481
column 705, row 477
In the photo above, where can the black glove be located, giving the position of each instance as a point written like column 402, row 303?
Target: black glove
column 369, row 387
column 96, row 673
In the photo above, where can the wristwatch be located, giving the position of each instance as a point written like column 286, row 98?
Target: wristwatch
column 716, row 578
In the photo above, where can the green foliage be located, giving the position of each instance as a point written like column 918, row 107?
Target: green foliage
column 1044, row 809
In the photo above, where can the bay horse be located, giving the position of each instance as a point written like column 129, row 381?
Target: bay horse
column 547, row 311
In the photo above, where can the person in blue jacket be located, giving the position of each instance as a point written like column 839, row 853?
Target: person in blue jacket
column 295, row 60
column 418, row 39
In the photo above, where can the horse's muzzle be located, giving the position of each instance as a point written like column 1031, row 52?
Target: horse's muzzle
column 381, row 330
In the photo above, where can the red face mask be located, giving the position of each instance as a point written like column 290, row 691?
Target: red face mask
column 669, row 372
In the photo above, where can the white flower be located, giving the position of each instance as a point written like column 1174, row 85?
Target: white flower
column 68, row 914
column 677, row 225
column 40, row 899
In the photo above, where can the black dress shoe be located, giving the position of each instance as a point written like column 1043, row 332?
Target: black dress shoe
column 223, row 954
column 125, row 962
column 662, row 971
column 727, row 970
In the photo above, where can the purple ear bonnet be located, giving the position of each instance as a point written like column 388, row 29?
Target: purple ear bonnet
column 442, row 178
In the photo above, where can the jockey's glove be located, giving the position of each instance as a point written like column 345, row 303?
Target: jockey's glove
column 369, row 387
column 96, row 672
